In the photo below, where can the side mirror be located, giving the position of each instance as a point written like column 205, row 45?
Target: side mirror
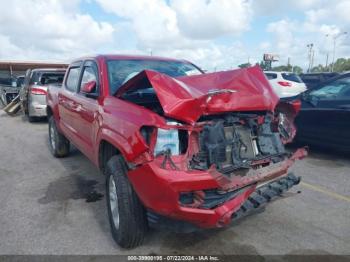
column 89, row 87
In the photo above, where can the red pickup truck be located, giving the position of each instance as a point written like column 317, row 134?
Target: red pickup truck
column 179, row 148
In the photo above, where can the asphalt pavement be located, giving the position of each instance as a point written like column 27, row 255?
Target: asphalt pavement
column 57, row 206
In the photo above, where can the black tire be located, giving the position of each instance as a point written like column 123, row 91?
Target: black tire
column 59, row 145
column 31, row 119
column 24, row 109
column 24, row 105
column 132, row 225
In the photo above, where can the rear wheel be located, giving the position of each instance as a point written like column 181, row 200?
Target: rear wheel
column 125, row 211
column 31, row 119
column 25, row 108
column 59, row 145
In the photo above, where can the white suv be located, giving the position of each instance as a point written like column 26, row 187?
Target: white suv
column 285, row 84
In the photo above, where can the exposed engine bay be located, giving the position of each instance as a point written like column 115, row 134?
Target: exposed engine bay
column 238, row 142
column 233, row 142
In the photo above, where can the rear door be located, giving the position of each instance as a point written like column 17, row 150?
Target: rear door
column 67, row 106
column 325, row 117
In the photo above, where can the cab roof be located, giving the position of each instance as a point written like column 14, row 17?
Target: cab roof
column 128, row 57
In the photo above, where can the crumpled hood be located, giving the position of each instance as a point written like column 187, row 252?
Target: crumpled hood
column 188, row 98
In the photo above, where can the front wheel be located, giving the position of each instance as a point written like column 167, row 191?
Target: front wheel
column 31, row 119
column 59, row 145
column 125, row 211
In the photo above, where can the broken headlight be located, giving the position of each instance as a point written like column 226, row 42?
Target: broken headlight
column 167, row 140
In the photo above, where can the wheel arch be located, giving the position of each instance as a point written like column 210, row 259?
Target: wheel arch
column 106, row 150
column 49, row 111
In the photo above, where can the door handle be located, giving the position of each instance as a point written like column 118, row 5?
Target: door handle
column 76, row 107
column 63, row 102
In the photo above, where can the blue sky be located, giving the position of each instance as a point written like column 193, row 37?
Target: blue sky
column 96, row 11
column 215, row 34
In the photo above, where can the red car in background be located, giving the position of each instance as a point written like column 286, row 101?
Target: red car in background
column 178, row 147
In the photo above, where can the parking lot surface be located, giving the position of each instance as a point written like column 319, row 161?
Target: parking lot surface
column 57, row 206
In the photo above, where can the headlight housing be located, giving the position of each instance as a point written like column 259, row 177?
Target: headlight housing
column 167, row 139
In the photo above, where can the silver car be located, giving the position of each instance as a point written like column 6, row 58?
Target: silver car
column 33, row 94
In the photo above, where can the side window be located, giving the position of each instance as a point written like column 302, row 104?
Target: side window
column 34, row 78
column 339, row 89
column 89, row 74
column 345, row 91
column 291, row 77
column 271, row 76
column 72, row 79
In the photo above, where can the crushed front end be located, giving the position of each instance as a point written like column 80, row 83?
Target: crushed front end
column 210, row 155
column 217, row 170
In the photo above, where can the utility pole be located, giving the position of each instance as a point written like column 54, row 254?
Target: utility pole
column 327, row 56
column 312, row 58
column 309, row 46
column 335, row 37
column 334, row 41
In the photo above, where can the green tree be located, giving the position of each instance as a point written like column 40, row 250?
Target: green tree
column 289, row 68
column 282, row 68
column 263, row 65
column 244, row 65
column 342, row 64
column 319, row 68
column 297, row 69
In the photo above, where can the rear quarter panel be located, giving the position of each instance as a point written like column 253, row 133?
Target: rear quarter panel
column 52, row 101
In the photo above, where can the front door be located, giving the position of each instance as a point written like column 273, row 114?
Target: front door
column 325, row 117
column 87, row 107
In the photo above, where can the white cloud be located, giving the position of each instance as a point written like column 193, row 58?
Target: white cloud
column 342, row 10
column 49, row 29
column 183, row 29
column 211, row 33
column 320, row 19
column 283, row 31
column 153, row 21
column 200, row 19
column 268, row 7
column 286, row 42
column 156, row 22
column 212, row 56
